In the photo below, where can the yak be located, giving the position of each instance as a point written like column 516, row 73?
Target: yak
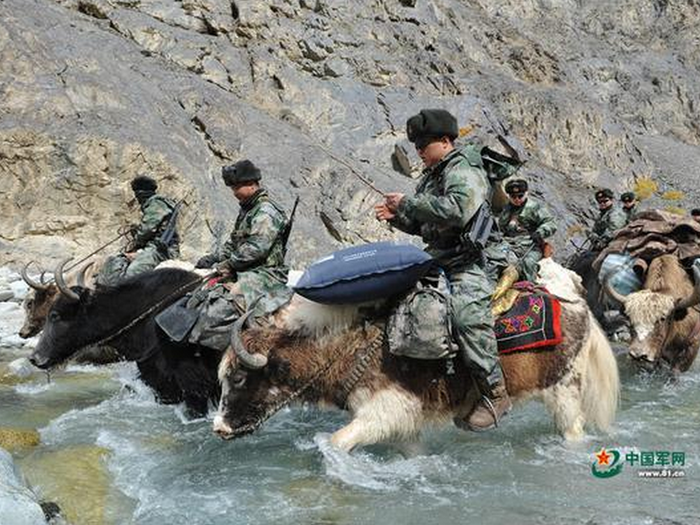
column 664, row 318
column 123, row 316
column 42, row 295
column 329, row 355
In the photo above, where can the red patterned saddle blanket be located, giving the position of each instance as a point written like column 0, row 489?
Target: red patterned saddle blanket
column 534, row 321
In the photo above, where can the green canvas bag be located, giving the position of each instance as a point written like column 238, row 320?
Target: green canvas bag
column 420, row 326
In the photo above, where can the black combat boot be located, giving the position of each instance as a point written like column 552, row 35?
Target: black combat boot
column 493, row 405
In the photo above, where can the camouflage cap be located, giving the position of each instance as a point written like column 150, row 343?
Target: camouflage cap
column 606, row 193
column 242, row 171
column 432, row 123
column 144, row 183
column 628, row 196
column 516, row 186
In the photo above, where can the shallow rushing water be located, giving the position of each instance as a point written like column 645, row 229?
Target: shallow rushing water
column 111, row 455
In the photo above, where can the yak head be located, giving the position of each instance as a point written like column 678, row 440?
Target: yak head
column 654, row 318
column 267, row 368
column 36, row 304
column 254, row 385
column 67, row 324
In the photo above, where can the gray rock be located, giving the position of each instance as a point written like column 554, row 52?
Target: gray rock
column 407, row 158
column 21, row 367
column 18, row 505
column 6, row 295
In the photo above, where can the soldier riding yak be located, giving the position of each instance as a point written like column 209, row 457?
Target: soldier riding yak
column 250, row 265
column 609, row 221
column 525, row 224
column 453, row 189
column 155, row 239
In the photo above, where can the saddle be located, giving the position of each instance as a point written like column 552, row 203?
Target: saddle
column 178, row 319
column 533, row 322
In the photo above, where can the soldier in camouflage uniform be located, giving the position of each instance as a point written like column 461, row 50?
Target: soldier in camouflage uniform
column 629, row 204
column 525, row 224
column 610, row 220
column 146, row 250
column 453, row 187
column 253, row 257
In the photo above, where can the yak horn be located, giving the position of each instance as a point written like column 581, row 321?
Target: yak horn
column 253, row 361
column 61, row 283
column 695, row 296
column 610, row 290
column 33, row 284
column 81, row 275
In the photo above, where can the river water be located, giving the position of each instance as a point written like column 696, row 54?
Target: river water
column 109, row 454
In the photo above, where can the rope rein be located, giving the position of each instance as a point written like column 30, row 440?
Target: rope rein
column 361, row 365
column 175, row 294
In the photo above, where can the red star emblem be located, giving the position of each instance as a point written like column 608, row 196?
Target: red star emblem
column 603, row 457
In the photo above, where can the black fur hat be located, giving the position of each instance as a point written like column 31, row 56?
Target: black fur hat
column 242, row 171
column 432, row 123
column 604, row 192
column 516, row 186
column 144, row 183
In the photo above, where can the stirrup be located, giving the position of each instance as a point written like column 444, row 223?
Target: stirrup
column 491, row 408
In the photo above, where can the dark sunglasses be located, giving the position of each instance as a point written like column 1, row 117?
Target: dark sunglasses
column 603, row 201
column 516, row 195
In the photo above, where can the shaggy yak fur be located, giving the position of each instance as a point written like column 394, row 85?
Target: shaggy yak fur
column 176, row 372
column 664, row 316
column 313, row 360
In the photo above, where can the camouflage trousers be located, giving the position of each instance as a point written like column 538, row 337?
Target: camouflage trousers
column 220, row 305
column 119, row 267
column 528, row 262
column 472, row 321
column 498, row 255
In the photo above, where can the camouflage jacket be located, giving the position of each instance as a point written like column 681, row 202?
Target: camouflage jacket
column 518, row 224
column 256, row 240
column 606, row 227
column 447, row 197
column 630, row 213
column 155, row 213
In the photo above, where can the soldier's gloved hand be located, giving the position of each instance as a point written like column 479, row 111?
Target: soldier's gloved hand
column 537, row 238
column 205, row 262
column 223, row 268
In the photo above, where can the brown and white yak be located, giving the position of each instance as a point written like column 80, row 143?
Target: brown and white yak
column 37, row 303
column 326, row 356
column 664, row 316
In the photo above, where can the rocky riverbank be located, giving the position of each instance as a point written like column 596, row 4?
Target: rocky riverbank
column 97, row 91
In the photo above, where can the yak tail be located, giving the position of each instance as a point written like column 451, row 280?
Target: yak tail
column 600, row 390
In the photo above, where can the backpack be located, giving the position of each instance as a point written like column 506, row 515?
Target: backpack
column 420, row 326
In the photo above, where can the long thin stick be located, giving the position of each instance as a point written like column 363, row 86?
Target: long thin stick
column 96, row 251
column 352, row 169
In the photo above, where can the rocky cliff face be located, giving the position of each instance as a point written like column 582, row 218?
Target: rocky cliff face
column 93, row 92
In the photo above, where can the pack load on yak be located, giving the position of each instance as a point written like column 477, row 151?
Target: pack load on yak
column 653, row 233
column 650, row 270
column 624, row 262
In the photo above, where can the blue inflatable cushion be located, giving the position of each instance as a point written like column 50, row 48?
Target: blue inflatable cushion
column 364, row 273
